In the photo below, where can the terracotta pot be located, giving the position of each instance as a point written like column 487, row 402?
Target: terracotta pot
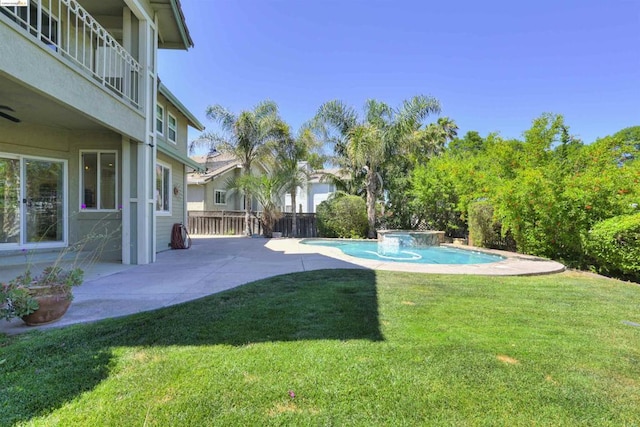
column 52, row 302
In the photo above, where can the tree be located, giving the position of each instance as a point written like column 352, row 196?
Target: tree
column 268, row 190
column 365, row 144
column 422, row 144
column 470, row 142
column 289, row 154
column 249, row 136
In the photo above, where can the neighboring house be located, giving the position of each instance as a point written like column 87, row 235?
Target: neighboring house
column 317, row 190
column 208, row 188
column 79, row 105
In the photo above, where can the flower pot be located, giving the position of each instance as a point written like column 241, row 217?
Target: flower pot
column 53, row 303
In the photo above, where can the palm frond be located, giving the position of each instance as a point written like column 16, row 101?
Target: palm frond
column 336, row 114
column 221, row 115
column 378, row 114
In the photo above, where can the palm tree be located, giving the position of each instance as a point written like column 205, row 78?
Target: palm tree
column 268, row 190
column 449, row 128
column 365, row 144
column 248, row 136
column 422, row 144
column 290, row 153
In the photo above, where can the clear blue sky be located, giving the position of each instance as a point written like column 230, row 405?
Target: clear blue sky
column 493, row 65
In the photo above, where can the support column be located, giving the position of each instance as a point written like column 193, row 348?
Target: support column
column 127, row 208
column 142, row 157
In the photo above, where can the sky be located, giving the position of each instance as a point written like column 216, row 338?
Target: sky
column 494, row 65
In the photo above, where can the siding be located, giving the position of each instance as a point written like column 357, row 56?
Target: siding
column 164, row 223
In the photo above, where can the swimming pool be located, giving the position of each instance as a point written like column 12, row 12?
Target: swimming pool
column 417, row 255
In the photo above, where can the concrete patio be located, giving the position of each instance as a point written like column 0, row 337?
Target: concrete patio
column 215, row 264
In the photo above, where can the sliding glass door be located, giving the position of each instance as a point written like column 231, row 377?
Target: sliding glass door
column 9, row 201
column 44, row 207
column 32, row 202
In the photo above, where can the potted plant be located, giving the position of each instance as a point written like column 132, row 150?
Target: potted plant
column 41, row 299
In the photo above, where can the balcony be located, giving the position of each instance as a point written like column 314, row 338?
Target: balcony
column 71, row 32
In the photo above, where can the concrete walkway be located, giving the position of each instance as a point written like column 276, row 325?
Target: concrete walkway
column 216, row 264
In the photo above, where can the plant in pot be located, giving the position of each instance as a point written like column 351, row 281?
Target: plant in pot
column 45, row 297
column 41, row 299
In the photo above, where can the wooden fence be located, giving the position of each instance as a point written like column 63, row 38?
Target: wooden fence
column 221, row 223
column 307, row 225
column 231, row 223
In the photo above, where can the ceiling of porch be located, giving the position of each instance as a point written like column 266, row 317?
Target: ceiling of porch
column 33, row 108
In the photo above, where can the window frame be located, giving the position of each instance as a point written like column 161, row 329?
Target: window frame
column 215, row 198
column 160, row 119
column 175, row 128
column 164, row 166
column 81, row 199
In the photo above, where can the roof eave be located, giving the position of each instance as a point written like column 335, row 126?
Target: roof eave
column 182, row 24
column 193, row 121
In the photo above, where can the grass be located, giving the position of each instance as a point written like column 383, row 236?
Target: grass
column 354, row 347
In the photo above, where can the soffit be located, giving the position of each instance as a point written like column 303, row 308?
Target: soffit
column 33, row 108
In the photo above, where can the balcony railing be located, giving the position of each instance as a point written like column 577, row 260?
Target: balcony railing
column 72, row 32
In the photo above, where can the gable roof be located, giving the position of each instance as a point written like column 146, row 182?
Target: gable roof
column 213, row 165
column 173, row 31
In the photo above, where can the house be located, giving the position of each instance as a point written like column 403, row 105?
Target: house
column 316, row 190
column 208, row 188
column 90, row 141
column 172, row 164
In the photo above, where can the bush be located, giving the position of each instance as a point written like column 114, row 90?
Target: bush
column 484, row 231
column 344, row 216
column 615, row 245
column 481, row 229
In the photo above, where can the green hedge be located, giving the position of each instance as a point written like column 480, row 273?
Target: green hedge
column 481, row 229
column 484, row 231
column 344, row 216
column 615, row 245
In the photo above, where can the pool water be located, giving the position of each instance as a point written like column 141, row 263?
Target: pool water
column 399, row 253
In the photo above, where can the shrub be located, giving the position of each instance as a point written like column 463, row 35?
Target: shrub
column 484, row 231
column 344, row 216
column 481, row 230
column 615, row 245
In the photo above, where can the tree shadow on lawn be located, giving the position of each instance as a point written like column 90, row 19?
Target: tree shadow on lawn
column 39, row 375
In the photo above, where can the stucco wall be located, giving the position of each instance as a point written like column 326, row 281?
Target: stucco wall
column 38, row 68
column 318, row 193
column 59, row 144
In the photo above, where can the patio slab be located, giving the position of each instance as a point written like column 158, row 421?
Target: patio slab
column 216, row 264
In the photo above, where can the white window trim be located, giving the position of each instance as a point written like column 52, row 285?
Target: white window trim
column 65, row 204
column 169, row 195
column 225, row 197
column 169, row 129
column 80, row 178
column 22, row 243
column 160, row 119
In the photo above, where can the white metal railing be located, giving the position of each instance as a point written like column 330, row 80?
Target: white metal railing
column 71, row 31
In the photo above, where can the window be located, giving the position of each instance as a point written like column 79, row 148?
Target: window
column 160, row 119
column 163, row 186
column 220, row 197
column 172, row 132
column 99, row 180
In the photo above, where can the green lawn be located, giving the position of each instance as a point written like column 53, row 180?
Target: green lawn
column 354, row 347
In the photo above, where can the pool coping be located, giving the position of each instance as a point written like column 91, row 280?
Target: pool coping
column 514, row 264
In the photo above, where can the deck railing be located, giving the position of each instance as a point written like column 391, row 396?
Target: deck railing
column 72, row 32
